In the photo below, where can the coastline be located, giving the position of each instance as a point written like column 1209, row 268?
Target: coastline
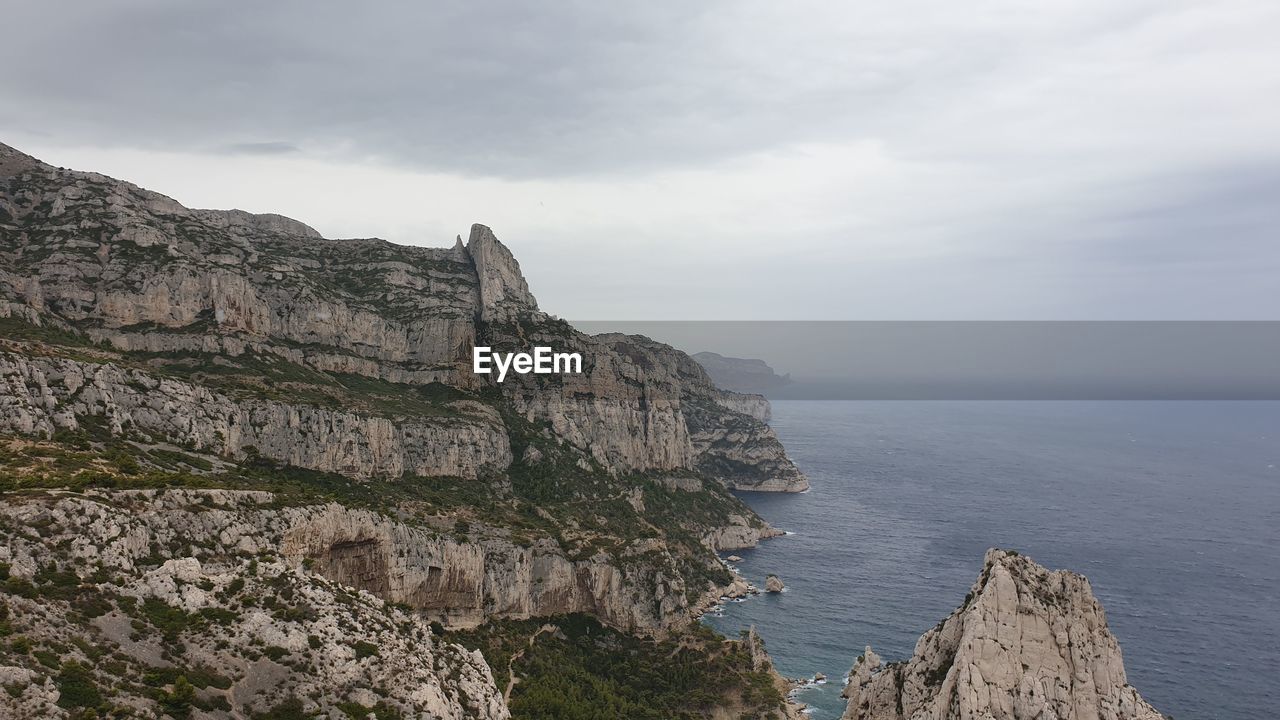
column 740, row 590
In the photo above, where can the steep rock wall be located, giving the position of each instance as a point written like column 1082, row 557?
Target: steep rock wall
column 194, row 554
column 458, row 582
column 462, row 583
column 138, row 270
column 40, row 395
column 1027, row 644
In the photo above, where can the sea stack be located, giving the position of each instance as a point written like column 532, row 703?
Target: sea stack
column 773, row 584
column 1028, row 644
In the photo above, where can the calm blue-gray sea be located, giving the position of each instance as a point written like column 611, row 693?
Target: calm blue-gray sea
column 1172, row 509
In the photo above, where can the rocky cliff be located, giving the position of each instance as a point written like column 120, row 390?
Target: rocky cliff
column 1027, row 644
column 254, row 465
column 183, row 601
column 456, row 579
column 188, row 290
column 42, row 395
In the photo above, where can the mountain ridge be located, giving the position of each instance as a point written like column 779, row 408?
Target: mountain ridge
column 399, row 313
column 244, row 412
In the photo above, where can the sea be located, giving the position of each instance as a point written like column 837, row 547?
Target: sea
column 1170, row 508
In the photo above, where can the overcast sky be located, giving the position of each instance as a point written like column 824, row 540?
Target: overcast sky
column 1081, row 159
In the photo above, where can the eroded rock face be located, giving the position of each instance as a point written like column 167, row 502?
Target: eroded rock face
column 463, row 583
column 740, row 534
column 504, row 294
column 1027, row 644
column 326, row 643
column 739, row 450
column 457, row 582
column 41, row 395
column 135, row 269
column 757, row 406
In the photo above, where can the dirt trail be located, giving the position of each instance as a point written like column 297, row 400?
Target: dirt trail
column 511, row 673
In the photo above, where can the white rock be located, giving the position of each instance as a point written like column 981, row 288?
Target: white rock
column 1028, row 644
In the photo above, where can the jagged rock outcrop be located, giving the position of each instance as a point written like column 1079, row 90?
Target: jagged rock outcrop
column 739, row 450
column 773, row 584
column 740, row 533
column 134, row 269
column 504, row 294
column 1027, row 644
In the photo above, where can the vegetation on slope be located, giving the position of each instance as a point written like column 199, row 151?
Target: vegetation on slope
column 573, row 668
column 251, row 374
column 581, row 670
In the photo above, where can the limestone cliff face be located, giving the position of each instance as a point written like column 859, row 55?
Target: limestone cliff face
column 138, row 271
column 504, row 294
column 207, row 566
column 624, row 410
column 643, row 405
column 740, row 534
column 124, row 261
column 1027, row 644
column 148, row 345
column 41, row 395
column 462, row 583
column 740, row 450
column 752, row 404
column 459, row 582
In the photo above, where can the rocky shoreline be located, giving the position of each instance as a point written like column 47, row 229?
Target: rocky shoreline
column 1027, row 644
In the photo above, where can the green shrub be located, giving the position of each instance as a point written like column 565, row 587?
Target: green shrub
column 275, row 652
column 291, row 709
column 177, row 702
column 76, row 687
column 48, row 658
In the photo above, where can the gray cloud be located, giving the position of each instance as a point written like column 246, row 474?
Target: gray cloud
column 515, row 89
column 1084, row 158
column 499, row 88
column 259, row 148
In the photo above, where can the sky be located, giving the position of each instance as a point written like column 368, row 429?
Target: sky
column 914, row 159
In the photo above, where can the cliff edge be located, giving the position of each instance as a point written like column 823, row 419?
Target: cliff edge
column 256, row 468
column 215, row 296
